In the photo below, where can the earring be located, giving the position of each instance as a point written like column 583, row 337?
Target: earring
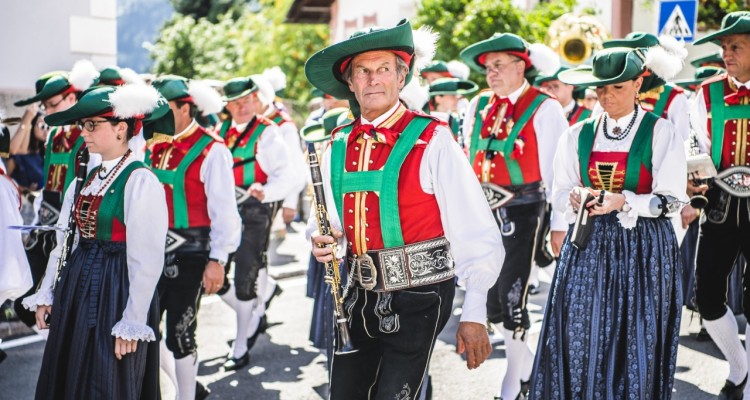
column 119, row 137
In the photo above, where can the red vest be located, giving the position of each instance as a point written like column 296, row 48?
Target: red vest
column 63, row 142
column 528, row 159
column 418, row 211
column 233, row 135
column 168, row 156
column 607, row 172
column 735, row 150
column 580, row 114
column 650, row 99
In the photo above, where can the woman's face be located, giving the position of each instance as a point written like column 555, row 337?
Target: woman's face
column 617, row 99
column 100, row 135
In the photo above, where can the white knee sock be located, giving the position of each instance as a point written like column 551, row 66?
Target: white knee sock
column 520, row 360
column 262, row 284
column 534, row 276
column 245, row 313
column 724, row 333
column 230, row 297
column 268, row 287
column 187, row 370
column 166, row 362
column 747, row 357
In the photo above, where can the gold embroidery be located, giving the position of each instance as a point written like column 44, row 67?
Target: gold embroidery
column 741, row 156
column 87, row 218
column 607, row 176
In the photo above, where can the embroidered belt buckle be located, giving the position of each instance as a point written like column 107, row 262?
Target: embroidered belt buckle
column 174, row 241
column 48, row 214
column 370, row 279
column 735, row 181
column 496, row 195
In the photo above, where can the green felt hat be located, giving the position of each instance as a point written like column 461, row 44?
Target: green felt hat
column 701, row 74
column 578, row 93
column 239, row 87
column 172, row 87
column 499, row 42
column 733, row 23
column 325, row 68
column 53, row 86
column 633, row 40
column 110, row 76
column 436, row 66
column 609, row 66
column 452, row 86
column 713, row 58
column 316, row 93
column 122, row 102
column 321, row 130
column 39, row 84
column 159, row 122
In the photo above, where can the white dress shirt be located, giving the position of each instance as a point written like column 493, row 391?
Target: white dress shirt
column 549, row 123
column 290, row 135
column 145, row 238
column 669, row 166
column 15, row 274
column 218, row 182
column 699, row 116
column 476, row 245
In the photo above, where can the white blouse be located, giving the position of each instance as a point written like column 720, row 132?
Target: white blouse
column 669, row 166
column 290, row 134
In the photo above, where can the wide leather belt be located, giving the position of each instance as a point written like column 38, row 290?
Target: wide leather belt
column 190, row 240
column 403, row 267
column 735, row 181
column 512, row 195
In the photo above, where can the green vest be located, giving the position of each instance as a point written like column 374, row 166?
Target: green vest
column 720, row 114
column 176, row 179
column 113, row 201
column 63, row 158
column 642, row 146
column 506, row 145
column 384, row 181
column 247, row 152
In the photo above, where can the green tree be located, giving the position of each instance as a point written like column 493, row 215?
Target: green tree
column 198, row 48
column 464, row 22
column 711, row 12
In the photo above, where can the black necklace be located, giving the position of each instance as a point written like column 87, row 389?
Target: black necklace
column 619, row 134
column 102, row 168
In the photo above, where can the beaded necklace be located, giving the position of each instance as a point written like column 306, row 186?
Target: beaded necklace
column 110, row 175
column 619, row 134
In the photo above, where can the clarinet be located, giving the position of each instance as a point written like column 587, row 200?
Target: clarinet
column 333, row 276
column 69, row 237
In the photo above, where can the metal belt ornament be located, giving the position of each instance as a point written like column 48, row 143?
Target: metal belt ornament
column 735, row 181
column 496, row 195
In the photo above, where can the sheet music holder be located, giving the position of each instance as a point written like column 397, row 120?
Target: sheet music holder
column 584, row 223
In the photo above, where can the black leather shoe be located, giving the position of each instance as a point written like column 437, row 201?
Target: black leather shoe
column 703, row 336
column 232, row 363
column 262, row 325
column 525, row 385
column 3, row 355
column 730, row 391
column 201, row 392
column 276, row 292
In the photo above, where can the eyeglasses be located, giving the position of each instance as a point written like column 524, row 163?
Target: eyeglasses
column 498, row 66
column 44, row 107
column 90, row 125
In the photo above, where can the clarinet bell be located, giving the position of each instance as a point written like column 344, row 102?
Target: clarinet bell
column 698, row 201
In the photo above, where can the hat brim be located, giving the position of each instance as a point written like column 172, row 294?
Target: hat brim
column 741, row 26
column 313, row 133
column 322, row 69
column 464, row 88
column 584, row 76
column 471, row 54
column 240, row 95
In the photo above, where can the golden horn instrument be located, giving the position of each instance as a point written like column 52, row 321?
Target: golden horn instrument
column 576, row 37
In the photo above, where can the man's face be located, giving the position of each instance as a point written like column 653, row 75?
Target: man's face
column 562, row 91
column 59, row 103
column 244, row 108
column 504, row 72
column 431, row 76
column 736, row 54
column 375, row 82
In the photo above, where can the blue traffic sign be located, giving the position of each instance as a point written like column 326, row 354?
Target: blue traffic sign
column 678, row 19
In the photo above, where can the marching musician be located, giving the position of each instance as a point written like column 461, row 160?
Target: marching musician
column 513, row 130
column 404, row 207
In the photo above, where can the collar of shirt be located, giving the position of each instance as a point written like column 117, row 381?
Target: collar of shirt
column 188, row 129
column 240, row 127
column 623, row 121
column 567, row 109
column 740, row 84
column 109, row 164
column 379, row 120
column 513, row 97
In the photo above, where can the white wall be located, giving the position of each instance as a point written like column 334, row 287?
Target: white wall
column 353, row 15
column 39, row 36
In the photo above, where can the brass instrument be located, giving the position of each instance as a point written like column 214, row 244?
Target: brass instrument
column 333, row 276
column 576, row 37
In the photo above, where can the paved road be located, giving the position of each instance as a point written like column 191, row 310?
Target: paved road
column 284, row 365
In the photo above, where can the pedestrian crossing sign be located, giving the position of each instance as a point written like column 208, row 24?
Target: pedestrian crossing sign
column 678, row 19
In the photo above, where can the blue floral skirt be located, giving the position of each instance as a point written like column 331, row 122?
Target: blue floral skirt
column 612, row 320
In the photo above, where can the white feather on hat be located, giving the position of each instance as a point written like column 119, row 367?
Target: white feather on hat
column 82, row 75
column 425, row 40
column 266, row 94
column 666, row 59
column 276, row 77
column 206, row 98
column 544, row 59
column 458, row 69
column 131, row 77
column 129, row 101
column 414, row 95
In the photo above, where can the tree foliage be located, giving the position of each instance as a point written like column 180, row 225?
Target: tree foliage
column 464, row 22
column 198, row 48
column 711, row 12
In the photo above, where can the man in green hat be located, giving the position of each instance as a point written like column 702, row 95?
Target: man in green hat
column 567, row 95
column 711, row 60
column 204, row 228
column 513, row 130
column 445, row 94
column 720, row 116
column 263, row 178
column 408, row 215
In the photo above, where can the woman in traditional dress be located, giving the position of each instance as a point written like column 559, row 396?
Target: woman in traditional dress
column 102, row 311
column 612, row 319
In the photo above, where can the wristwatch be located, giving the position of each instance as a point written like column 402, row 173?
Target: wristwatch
column 220, row 262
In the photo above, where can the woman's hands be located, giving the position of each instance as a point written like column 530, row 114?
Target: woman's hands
column 611, row 201
column 41, row 315
column 123, row 347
